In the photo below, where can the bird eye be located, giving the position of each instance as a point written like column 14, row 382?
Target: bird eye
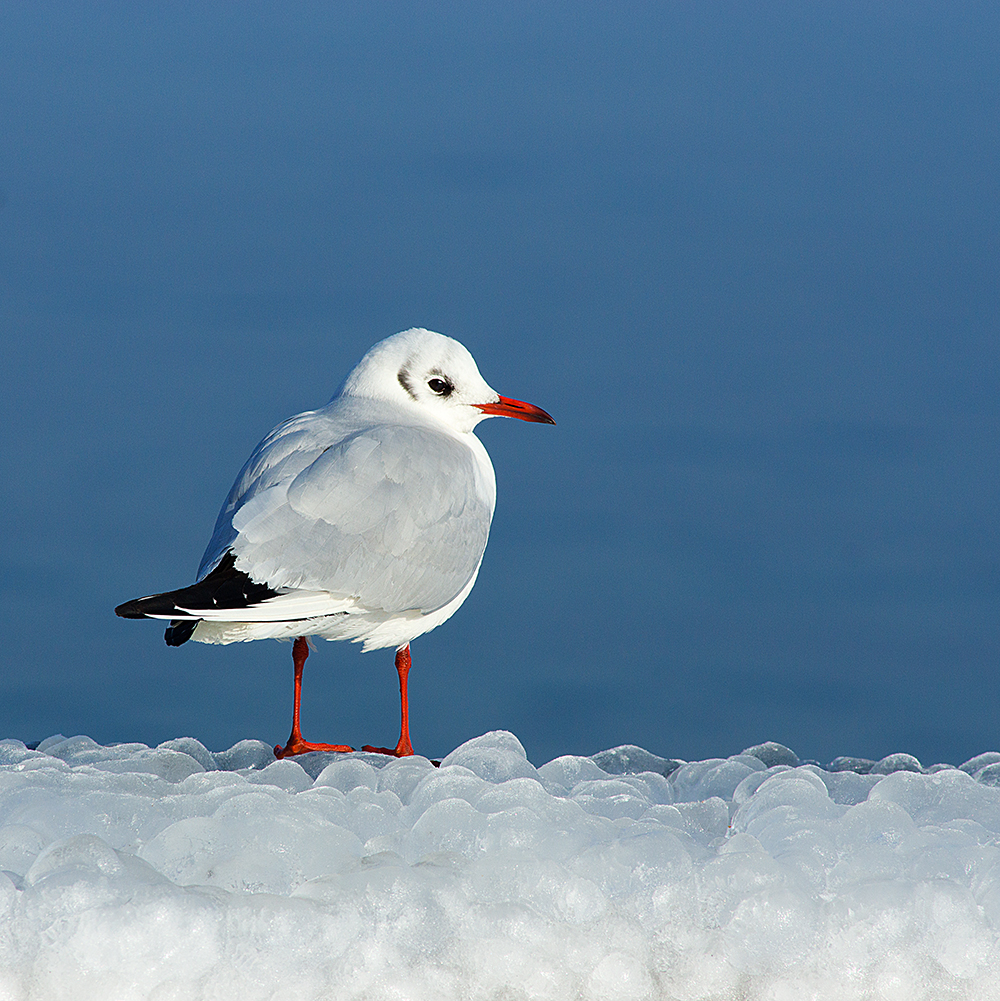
column 440, row 386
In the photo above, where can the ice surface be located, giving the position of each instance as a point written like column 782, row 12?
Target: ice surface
column 174, row 873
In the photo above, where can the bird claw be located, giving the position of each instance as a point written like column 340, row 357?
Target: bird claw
column 303, row 747
column 400, row 751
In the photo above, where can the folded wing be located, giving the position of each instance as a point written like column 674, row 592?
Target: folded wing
column 388, row 518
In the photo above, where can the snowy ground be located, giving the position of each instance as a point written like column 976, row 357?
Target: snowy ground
column 174, row 873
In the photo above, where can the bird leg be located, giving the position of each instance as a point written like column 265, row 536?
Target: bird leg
column 296, row 745
column 404, row 747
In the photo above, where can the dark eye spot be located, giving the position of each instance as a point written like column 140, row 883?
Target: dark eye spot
column 440, row 386
column 404, row 380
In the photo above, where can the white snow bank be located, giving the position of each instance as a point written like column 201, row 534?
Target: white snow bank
column 174, row 873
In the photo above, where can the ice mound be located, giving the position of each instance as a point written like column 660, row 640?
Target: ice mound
column 174, row 873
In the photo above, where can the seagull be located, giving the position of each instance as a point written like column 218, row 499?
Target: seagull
column 365, row 520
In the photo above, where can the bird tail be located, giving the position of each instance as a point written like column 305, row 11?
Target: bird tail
column 179, row 631
column 224, row 587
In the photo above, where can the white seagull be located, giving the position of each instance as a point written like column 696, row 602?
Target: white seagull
column 365, row 520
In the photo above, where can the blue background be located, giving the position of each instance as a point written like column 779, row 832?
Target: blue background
column 746, row 255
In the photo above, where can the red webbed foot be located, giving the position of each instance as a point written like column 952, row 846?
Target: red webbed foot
column 402, row 750
column 296, row 745
column 300, row 746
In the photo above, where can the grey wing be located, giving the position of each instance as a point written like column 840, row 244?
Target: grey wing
column 393, row 517
column 282, row 455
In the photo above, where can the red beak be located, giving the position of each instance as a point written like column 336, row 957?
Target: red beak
column 506, row 407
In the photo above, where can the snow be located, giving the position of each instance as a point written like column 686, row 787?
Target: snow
column 174, row 873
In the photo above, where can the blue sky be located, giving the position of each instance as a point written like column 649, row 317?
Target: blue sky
column 745, row 254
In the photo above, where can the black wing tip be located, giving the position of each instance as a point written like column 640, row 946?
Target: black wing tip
column 223, row 587
column 131, row 609
column 143, row 608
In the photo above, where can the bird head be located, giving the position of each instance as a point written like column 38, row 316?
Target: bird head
column 434, row 376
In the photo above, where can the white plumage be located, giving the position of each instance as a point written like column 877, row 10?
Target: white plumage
column 364, row 520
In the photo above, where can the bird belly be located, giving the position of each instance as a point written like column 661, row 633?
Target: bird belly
column 376, row 629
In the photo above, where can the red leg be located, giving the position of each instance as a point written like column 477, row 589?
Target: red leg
column 404, row 747
column 296, row 745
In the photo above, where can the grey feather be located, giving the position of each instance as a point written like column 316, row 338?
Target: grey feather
column 395, row 516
